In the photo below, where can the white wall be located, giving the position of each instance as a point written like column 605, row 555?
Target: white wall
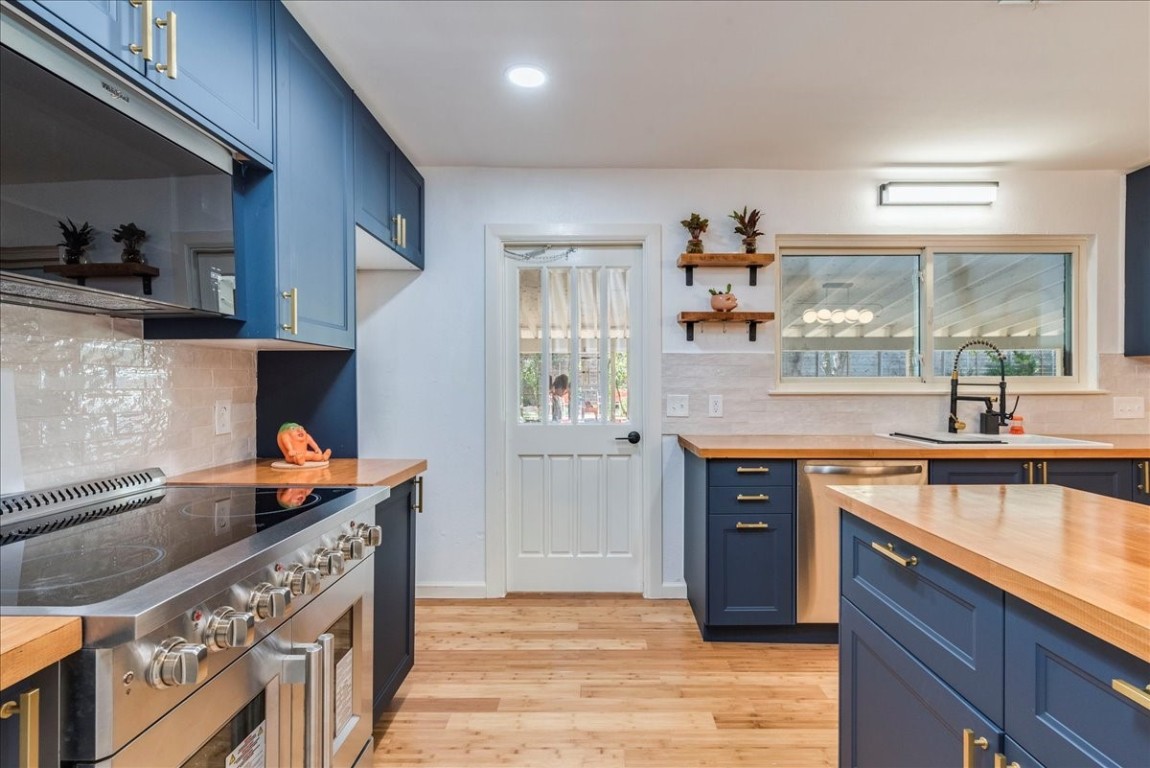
column 421, row 339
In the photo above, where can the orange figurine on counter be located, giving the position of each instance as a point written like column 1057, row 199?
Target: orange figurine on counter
column 298, row 446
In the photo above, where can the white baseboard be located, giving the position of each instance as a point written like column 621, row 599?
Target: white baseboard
column 461, row 589
column 668, row 590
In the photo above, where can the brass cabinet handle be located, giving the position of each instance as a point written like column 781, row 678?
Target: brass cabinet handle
column 751, row 526
column 753, row 470
column 1140, row 696
column 1000, row 761
column 1145, row 467
column 1042, row 465
column 1029, row 467
column 146, row 47
column 293, row 326
column 755, row 497
column 419, row 495
column 888, row 552
column 395, row 230
column 169, row 23
column 29, row 711
column 402, row 231
column 969, row 743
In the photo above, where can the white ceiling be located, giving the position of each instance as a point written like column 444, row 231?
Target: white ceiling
column 783, row 85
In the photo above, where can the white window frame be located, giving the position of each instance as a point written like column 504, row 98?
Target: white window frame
column 1083, row 346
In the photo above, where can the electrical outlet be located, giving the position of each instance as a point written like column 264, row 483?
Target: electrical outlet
column 1129, row 408
column 714, row 405
column 223, row 417
column 678, row 405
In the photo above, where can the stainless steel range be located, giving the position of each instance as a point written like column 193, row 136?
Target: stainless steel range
column 221, row 624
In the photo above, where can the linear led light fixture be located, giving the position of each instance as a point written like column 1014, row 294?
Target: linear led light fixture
column 938, row 193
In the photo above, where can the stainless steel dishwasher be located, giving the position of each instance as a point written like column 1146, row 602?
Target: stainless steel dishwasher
column 817, row 556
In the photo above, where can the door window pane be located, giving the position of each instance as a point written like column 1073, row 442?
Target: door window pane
column 530, row 345
column 618, row 339
column 586, row 394
column 559, row 329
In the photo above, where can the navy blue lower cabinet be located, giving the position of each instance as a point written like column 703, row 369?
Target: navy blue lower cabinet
column 751, row 571
column 1107, row 477
column 1072, row 699
column 1017, row 757
column 979, row 472
column 394, row 599
column 894, row 712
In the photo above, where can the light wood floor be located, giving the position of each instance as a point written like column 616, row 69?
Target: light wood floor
column 610, row 682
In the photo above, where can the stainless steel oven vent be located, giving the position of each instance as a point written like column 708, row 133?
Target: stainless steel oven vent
column 19, row 511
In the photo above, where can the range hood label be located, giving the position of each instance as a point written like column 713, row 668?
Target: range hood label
column 252, row 751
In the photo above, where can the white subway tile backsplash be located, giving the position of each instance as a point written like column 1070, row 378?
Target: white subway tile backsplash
column 94, row 398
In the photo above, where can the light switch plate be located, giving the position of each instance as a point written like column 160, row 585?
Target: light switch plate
column 1129, row 408
column 678, row 405
column 223, row 418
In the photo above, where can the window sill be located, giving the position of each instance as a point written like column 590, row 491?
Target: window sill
column 860, row 388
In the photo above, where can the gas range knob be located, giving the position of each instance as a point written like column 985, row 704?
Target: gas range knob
column 177, row 662
column 229, row 628
column 301, row 579
column 329, row 562
column 269, row 602
column 351, row 546
column 372, row 534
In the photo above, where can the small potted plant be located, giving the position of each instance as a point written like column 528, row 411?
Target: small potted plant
column 696, row 226
column 746, row 224
column 131, row 236
column 76, row 240
column 723, row 300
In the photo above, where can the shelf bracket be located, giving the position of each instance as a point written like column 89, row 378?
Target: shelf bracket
column 752, row 324
column 690, row 281
column 690, row 324
column 754, row 268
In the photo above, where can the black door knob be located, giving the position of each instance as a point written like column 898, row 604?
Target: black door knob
column 632, row 437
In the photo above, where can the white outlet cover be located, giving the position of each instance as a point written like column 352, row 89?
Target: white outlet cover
column 223, row 417
column 715, row 406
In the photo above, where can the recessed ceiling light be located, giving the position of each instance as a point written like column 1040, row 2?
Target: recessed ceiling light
column 527, row 77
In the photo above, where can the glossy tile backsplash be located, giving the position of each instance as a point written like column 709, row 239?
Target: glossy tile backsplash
column 94, row 398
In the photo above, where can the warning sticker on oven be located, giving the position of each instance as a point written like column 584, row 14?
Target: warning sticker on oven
column 343, row 685
column 252, row 751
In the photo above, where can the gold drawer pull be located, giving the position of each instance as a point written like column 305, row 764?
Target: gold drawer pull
column 889, row 553
column 969, row 743
column 1140, row 696
column 293, row 326
column 751, row 526
column 753, row 470
column 1000, row 761
column 29, row 711
column 1145, row 467
column 749, row 497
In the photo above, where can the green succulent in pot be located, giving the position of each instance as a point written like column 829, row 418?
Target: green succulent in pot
column 131, row 236
column 76, row 240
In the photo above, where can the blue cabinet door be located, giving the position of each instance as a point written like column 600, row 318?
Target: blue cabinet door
column 313, row 193
column 104, row 28
column 394, row 600
column 979, row 471
column 751, row 570
column 373, row 156
column 407, row 190
column 1062, row 705
column 894, row 712
column 224, row 72
column 1108, row 477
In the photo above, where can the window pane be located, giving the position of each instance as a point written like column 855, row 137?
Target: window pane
column 530, row 345
column 1018, row 301
column 850, row 316
column 587, row 393
column 559, row 323
column 619, row 335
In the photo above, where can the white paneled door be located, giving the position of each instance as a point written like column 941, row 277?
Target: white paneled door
column 574, row 474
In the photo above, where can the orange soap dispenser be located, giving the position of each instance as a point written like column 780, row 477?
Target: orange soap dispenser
column 1016, row 425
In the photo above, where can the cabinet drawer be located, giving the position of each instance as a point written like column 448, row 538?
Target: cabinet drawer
column 751, row 500
column 1061, row 705
column 947, row 618
column 751, row 570
column 750, row 472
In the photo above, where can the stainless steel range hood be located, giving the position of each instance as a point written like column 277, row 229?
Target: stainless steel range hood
column 16, row 288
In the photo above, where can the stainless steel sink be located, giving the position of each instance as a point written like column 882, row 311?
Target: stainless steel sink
column 963, row 440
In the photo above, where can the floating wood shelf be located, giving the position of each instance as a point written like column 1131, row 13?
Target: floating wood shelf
column 752, row 319
column 751, row 261
column 81, row 272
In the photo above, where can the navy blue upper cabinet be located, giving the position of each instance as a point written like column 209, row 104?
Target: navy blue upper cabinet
column 1138, row 262
column 388, row 190
column 313, row 192
column 222, row 51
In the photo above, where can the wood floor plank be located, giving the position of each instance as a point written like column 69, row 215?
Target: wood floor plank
column 606, row 681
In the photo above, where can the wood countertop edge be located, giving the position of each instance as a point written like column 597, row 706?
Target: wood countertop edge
column 341, row 472
column 838, row 447
column 31, row 643
column 1116, row 629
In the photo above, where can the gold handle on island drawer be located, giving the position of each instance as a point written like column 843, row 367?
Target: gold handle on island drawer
column 751, row 526
column 293, row 297
column 146, row 47
column 888, row 552
column 1140, row 696
column 753, row 470
column 969, row 742
column 169, row 23
column 29, row 711
column 1000, row 761
column 1042, row 465
column 750, row 497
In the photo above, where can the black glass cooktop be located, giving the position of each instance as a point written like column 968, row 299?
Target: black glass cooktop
column 110, row 551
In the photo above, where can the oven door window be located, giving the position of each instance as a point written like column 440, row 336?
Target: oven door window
column 241, row 743
column 343, row 632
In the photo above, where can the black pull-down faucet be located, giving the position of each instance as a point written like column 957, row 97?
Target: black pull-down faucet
column 989, row 421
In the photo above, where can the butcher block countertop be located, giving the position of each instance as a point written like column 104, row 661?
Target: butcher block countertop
column 30, row 643
column 1078, row 556
column 875, row 447
column 389, row 472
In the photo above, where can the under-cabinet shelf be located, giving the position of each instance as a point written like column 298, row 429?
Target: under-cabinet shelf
column 752, row 319
column 752, row 261
column 81, row 272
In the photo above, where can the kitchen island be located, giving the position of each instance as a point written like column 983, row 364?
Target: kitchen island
column 985, row 620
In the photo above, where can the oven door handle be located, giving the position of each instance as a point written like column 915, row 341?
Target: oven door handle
column 307, row 668
column 327, row 721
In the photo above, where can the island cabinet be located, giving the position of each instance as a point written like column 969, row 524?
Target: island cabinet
column 739, row 547
column 923, row 679
column 214, row 64
column 394, row 626
column 388, row 190
column 1108, row 477
column 30, row 728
